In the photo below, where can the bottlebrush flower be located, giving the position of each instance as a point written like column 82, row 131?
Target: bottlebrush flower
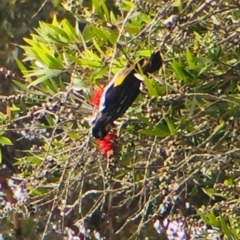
column 96, row 97
column 105, row 145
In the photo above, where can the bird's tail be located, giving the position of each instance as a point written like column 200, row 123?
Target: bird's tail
column 101, row 126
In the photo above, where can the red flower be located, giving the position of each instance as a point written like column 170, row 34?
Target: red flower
column 106, row 145
column 97, row 96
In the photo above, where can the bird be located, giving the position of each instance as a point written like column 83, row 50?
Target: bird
column 121, row 92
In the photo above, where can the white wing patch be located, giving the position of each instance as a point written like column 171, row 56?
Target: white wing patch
column 139, row 77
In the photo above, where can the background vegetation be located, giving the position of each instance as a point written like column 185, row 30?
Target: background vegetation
column 176, row 155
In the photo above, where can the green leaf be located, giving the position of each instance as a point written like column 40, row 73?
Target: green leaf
column 144, row 120
column 73, row 135
column 194, row 104
column 218, row 129
column 55, row 21
column 32, row 42
column 190, row 59
column 20, row 85
column 60, row 33
column 205, row 68
column 105, row 10
column 40, row 191
column 178, row 69
column 58, row 144
column 46, row 74
column 102, row 33
column 137, row 176
column 181, row 72
column 210, row 219
column 159, row 132
column 235, row 226
column 194, row 191
column 99, row 72
column 198, row 37
column 177, row 3
column 0, row 155
column 113, row 19
column 203, row 60
column 46, row 56
column 49, row 119
column 225, row 228
column 85, row 62
column 229, row 182
column 70, row 30
column 5, row 141
column 98, row 47
column 34, row 160
column 21, row 67
column 234, row 98
column 213, row 220
column 53, row 85
column 127, row 5
column 171, row 125
column 222, row 195
column 24, row 88
column 150, row 83
column 96, row 7
column 14, row 108
column 209, row 192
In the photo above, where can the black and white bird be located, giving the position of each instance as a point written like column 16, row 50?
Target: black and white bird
column 121, row 92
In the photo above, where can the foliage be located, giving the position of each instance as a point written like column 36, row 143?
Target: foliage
column 177, row 144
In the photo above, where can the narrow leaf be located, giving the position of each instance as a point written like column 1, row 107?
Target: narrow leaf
column 190, row 59
column 171, row 125
column 150, row 83
column 5, row 141
column 160, row 132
